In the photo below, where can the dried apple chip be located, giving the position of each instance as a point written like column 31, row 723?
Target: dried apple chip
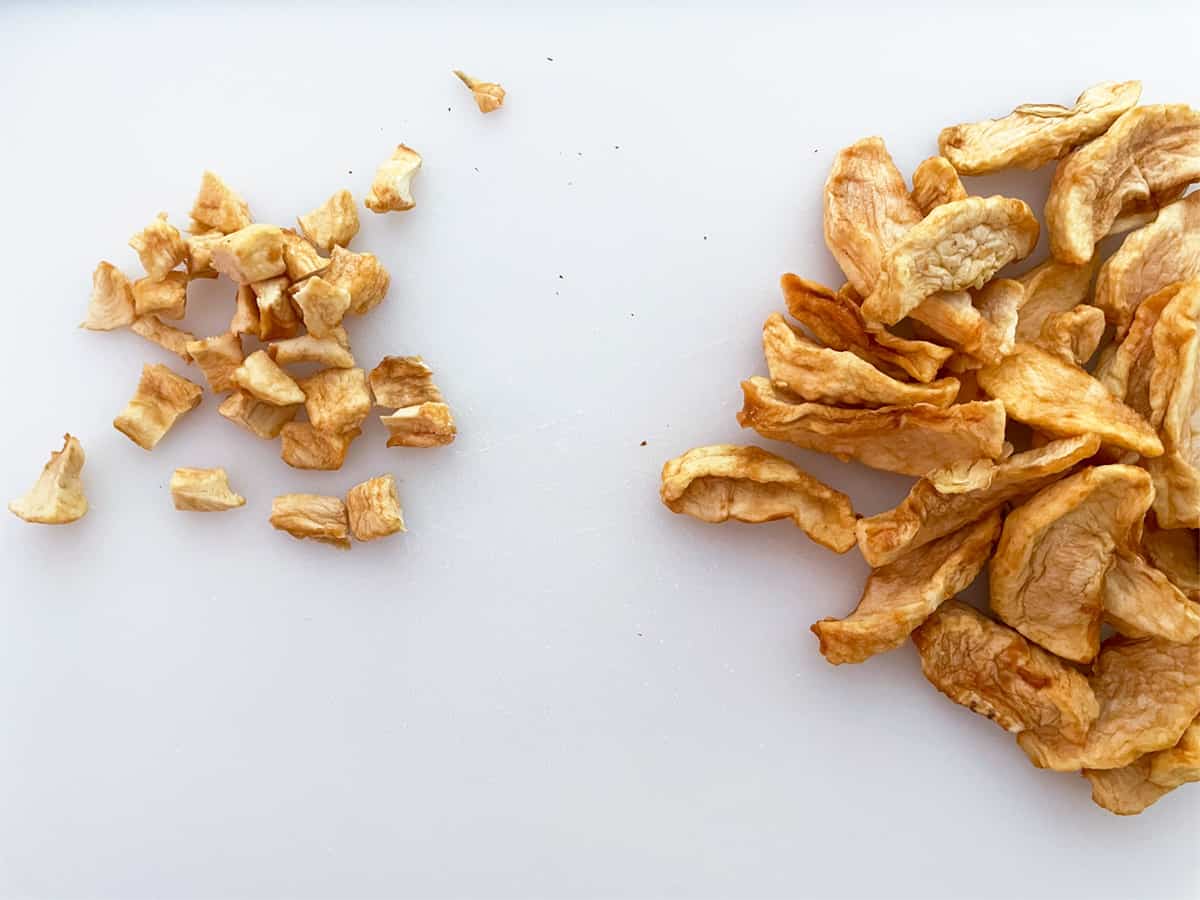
column 322, row 304
column 1050, row 288
column 1130, row 789
column 488, row 95
column 420, row 425
column 723, row 482
column 218, row 358
column 329, row 352
column 403, row 381
column 837, row 322
column 1048, row 573
column 154, row 329
column 332, row 224
column 1140, row 601
column 1176, row 553
column 992, row 670
column 867, row 210
column 313, row 517
column 1143, row 159
column 199, row 254
column 1074, row 335
column 203, row 490
column 900, row 596
column 259, row 376
column 160, row 399
column 1034, row 134
column 260, row 419
column 935, row 182
column 946, row 499
column 374, row 509
column 1152, row 258
column 245, row 317
column 839, row 377
column 910, row 440
column 277, row 316
column 1149, row 693
column 253, row 253
column 952, row 316
column 1125, row 368
column 361, row 275
column 1174, row 397
column 111, row 304
column 304, row 447
column 160, row 247
column 1062, row 400
column 336, row 400
column 218, row 207
column 57, row 497
column 391, row 190
column 958, row 245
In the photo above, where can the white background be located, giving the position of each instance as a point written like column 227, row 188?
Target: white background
column 550, row 687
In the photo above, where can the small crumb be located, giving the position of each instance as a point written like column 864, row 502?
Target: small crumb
column 706, row 237
column 639, row 634
column 549, row 59
column 643, row 444
column 560, row 276
column 616, row 146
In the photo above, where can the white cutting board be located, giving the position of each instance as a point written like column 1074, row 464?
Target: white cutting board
column 550, row 687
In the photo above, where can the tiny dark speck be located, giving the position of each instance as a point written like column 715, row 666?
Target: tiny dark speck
column 560, row 276
column 706, row 237
column 349, row 171
column 616, row 146
column 631, row 315
column 643, row 444
column 549, row 59
column 639, row 634
column 815, row 150
column 477, row 168
column 448, row 109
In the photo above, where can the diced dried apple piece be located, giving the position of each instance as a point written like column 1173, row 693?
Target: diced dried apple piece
column 959, row 245
column 154, row 329
column 199, row 253
column 374, row 509
column 327, row 351
column 260, row 419
column 1176, row 553
column 901, row 595
column 946, row 499
column 166, row 296
column 836, row 322
column 259, row 376
column 1050, row 288
column 360, row 274
column 488, row 95
column 1130, row 789
column 821, row 375
column 56, row 498
column 1174, row 396
column 332, row 224
column 301, row 257
column 421, row 425
column 203, row 490
column 160, row 399
column 322, row 304
column 403, row 381
column 1048, row 573
column 1152, row 258
column 219, row 207
column 336, row 400
column 867, row 210
column 990, row 669
column 1149, row 693
column 746, row 484
column 1140, row 601
column 935, row 182
column 392, row 188
column 1074, row 335
column 1034, row 134
column 910, row 440
column 160, row 247
column 218, row 358
column 312, row 516
column 254, row 253
column 245, row 317
column 1062, row 400
column 111, row 304
column 277, row 315
column 1144, row 158
column 305, row 447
